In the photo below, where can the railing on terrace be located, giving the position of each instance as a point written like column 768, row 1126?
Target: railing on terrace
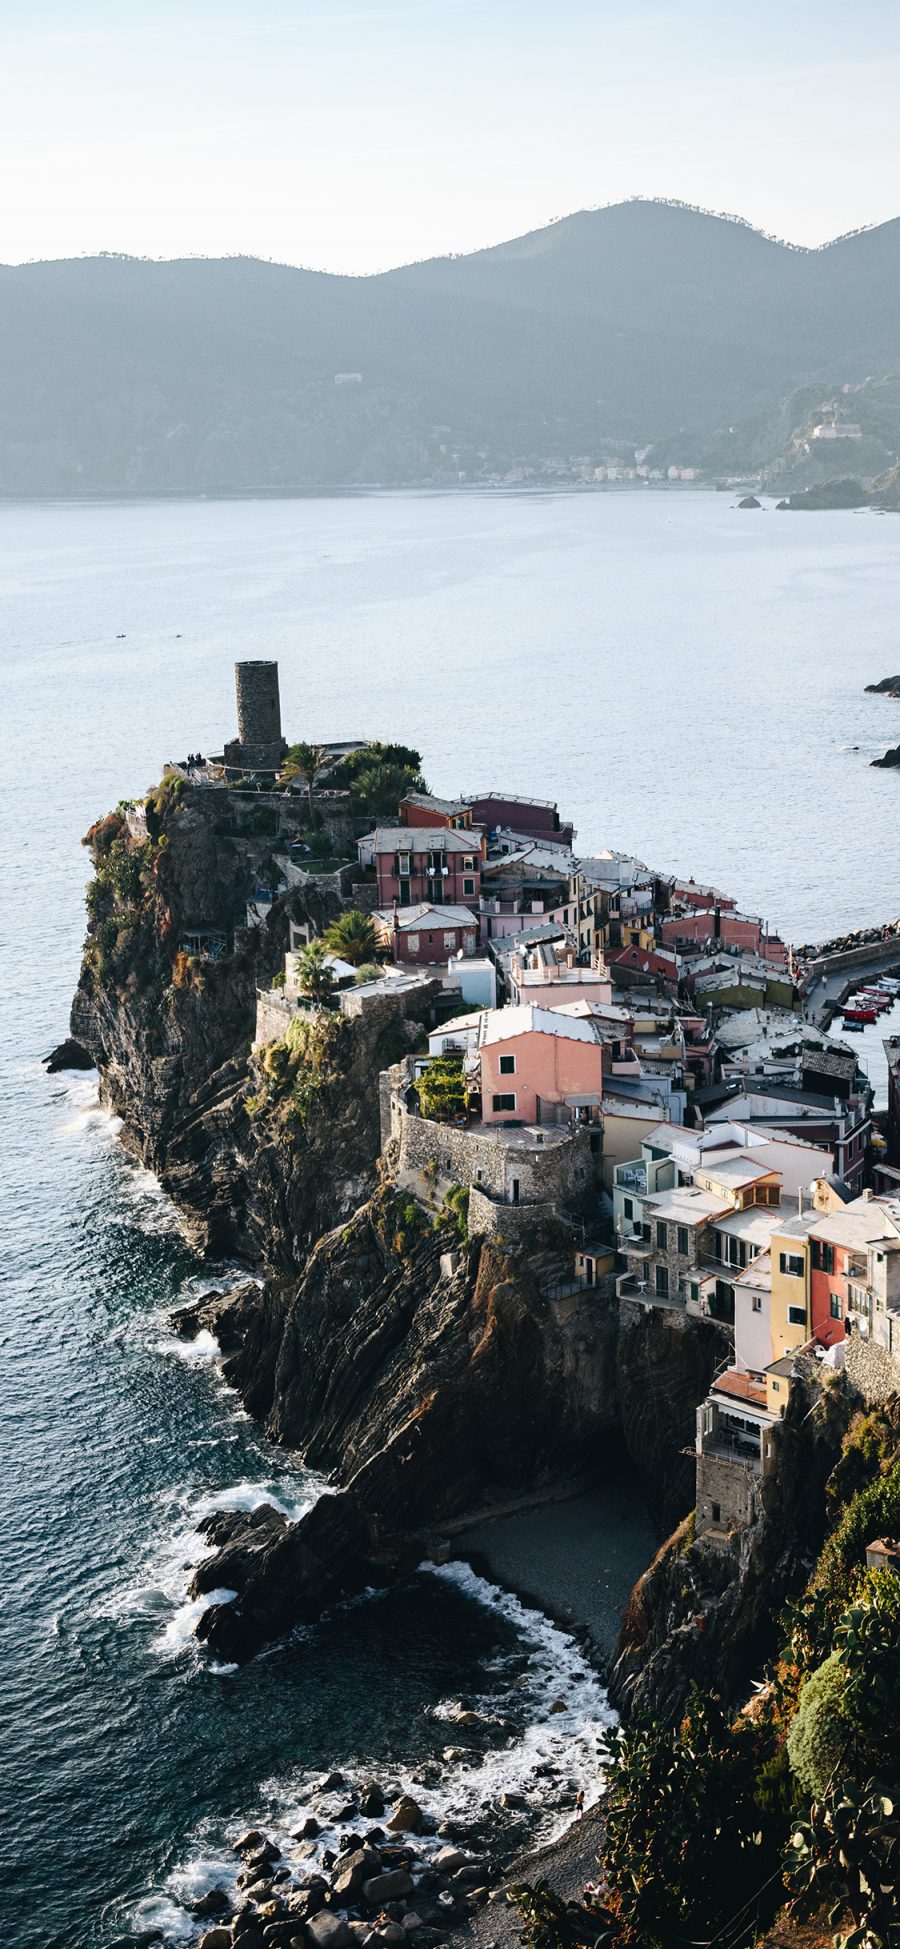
column 726, row 1451
column 565, row 1288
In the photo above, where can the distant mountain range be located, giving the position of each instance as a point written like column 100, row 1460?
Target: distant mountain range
column 643, row 325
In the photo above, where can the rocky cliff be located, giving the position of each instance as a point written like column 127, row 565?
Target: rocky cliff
column 425, row 1379
column 703, row 1615
column 428, row 1377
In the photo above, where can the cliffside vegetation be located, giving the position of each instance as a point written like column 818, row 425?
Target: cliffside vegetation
column 717, row 1819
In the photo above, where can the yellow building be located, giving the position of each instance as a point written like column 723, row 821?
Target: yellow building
column 790, row 1315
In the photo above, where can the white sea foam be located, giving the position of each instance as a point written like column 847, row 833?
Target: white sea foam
column 160, row 1593
column 547, row 1757
column 143, row 1202
column 181, row 1626
column 202, row 1351
column 188, row 1547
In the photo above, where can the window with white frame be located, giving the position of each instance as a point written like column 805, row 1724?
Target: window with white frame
column 507, row 1065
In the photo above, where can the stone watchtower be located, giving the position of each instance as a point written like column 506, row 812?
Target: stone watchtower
column 259, row 745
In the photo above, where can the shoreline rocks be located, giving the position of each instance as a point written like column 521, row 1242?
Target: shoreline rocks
column 373, row 1891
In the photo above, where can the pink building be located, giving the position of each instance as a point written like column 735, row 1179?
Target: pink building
column 426, row 935
column 712, row 924
column 640, row 961
column 427, row 864
column 535, row 1062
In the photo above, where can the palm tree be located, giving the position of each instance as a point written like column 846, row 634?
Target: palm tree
column 352, row 936
column 378, row 787
column 315, row 976
column 307, row 761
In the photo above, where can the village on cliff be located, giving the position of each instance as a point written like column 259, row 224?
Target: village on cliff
column 614, row 1055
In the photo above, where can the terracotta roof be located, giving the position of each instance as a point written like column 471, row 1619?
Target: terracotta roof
column 740, row 1387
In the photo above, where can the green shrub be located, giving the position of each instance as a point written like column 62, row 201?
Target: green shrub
column 873, row 1511
column 456, row 1206
column 844, row 1858
column 378, row 777
column 100, row 836
column 822, row 1733
column 684, row 1844
column 442, row 1091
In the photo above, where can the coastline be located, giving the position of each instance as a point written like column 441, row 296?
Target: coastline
column 567, row 1864
column 575, row 1559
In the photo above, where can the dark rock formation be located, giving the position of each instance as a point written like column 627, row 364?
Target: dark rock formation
column 704, row 1616
column 424, row 1397
column 828, row 494
column 749, row 501
column 665, row 1363
column 888, row 687
column 68, row 1055
column 891, row 758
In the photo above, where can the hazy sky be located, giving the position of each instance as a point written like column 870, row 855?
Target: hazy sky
column 355, row 134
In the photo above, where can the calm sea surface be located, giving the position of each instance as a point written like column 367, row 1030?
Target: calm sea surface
column 688, row 682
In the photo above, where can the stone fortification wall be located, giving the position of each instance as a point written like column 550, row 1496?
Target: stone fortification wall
column 730, row 1488
column 274, row 1011
column 557, row 1174
column 506, row 1224
column 410, row 1004
column 871, row 1368
column 462, row 1156
column 339, row 883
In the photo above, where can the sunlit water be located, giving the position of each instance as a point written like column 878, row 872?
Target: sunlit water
column 688, row 682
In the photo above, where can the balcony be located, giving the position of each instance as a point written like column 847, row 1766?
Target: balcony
column 739, row 1454
column 630, row 1177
